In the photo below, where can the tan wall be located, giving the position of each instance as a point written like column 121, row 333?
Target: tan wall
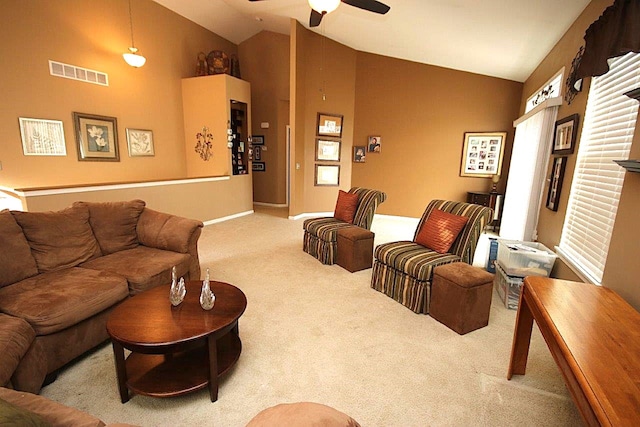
column 422, row 112
column 621, row 270
column 207, row 102
column 228, row 196
column 322, row 60
column 264, row 60
column 297, row 111
column 550, row 223
column 94, row 34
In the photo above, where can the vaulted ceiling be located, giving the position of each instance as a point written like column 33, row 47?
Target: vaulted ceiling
column 499, row 38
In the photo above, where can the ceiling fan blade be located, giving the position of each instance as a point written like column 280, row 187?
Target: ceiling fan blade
column 315, row 18
column 370, row 5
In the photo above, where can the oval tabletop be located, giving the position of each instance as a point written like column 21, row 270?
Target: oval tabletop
column 149, row 320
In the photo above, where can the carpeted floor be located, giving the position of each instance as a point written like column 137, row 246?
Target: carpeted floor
column 319, row 333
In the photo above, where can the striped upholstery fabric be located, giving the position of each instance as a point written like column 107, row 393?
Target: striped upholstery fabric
column 321, row 234
column 403, row 270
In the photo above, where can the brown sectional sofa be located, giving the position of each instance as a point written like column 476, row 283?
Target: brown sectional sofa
column 62, row 272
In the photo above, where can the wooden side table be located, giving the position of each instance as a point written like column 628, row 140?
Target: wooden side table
column 490, row 200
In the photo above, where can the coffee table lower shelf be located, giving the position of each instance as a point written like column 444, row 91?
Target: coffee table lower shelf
column 174, row 374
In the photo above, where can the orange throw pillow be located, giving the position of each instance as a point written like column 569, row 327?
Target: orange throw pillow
column 346, row 206
column 440, row 231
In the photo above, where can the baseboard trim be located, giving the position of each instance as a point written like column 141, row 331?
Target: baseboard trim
column 227, row 218
column 310, row 215
column 407, row 219
column 271, row 205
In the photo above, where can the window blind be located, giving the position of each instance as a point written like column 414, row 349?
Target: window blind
column 607, row 134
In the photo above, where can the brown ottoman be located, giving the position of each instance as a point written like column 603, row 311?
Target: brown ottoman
column 302, row 414
column 461, row 296
column 355, row 248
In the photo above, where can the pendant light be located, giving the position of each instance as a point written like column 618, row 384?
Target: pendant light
column 324, row 6
column 132, row 57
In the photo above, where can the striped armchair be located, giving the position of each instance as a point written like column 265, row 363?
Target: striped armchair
column 321, row 234
column 403, row 270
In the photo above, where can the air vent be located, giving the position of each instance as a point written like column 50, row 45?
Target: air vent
column 67, row 71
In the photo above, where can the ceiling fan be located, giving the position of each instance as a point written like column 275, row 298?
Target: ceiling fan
column 319, row 8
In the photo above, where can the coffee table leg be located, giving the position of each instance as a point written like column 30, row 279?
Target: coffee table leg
column 213, row 368
column 121, row 371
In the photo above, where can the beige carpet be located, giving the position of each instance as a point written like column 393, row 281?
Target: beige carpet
column 319, row 333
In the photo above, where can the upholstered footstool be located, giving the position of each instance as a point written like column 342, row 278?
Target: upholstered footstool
column 355, row 248
column 301, row 414
column 461, row 296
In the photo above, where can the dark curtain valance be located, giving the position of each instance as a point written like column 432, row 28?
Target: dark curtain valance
column 615, row 33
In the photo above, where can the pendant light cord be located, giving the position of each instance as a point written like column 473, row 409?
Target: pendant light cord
column 324, row 96
column 131, row 24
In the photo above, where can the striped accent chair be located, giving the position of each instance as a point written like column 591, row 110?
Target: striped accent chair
column 321, row 234
column 403, row 270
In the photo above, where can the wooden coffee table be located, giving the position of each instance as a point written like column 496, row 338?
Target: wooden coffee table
column 175, row 350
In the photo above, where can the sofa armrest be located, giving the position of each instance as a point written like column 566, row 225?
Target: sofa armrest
column 171, row 233
column 52, row 412
column 16, row 337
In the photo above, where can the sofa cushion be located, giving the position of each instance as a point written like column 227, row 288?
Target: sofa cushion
column 53, row 301
column 54, row 413
column 59, row 240
column 114, row 224
column 16, row 337
column 346, row 206
column 302, row 414
column 16, row 261
column 440, row 231
column 412, row 259
column 165, row 231
column 143, row 267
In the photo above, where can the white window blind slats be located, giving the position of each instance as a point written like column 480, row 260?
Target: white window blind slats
column 607, row 133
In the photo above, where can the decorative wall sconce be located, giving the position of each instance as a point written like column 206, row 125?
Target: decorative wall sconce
column 132, row 57
column 204, row 141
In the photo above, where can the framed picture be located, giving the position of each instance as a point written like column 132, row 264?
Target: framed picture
column 258, row 167
column 96, row 137
column 374, row 144
column 555, row 186
column 257, row 140
column 257, row 153
column 329, row 125
column 42, row 137
column 327, row 150
column 565, row 135
column 327, row 175
column 359, row 153
column 482, row 154
column 140, row 142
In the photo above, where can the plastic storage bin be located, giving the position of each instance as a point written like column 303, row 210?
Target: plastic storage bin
column 493, row 255
column 525, row 258
column 509, row 288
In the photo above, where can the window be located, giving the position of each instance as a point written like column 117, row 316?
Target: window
column 551, row 89
column 607, row 135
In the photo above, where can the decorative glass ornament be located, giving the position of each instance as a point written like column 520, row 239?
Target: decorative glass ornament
column 178, row 289
column 207, row 297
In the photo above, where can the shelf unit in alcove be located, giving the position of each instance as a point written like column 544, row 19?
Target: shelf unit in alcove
column 240, row 146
